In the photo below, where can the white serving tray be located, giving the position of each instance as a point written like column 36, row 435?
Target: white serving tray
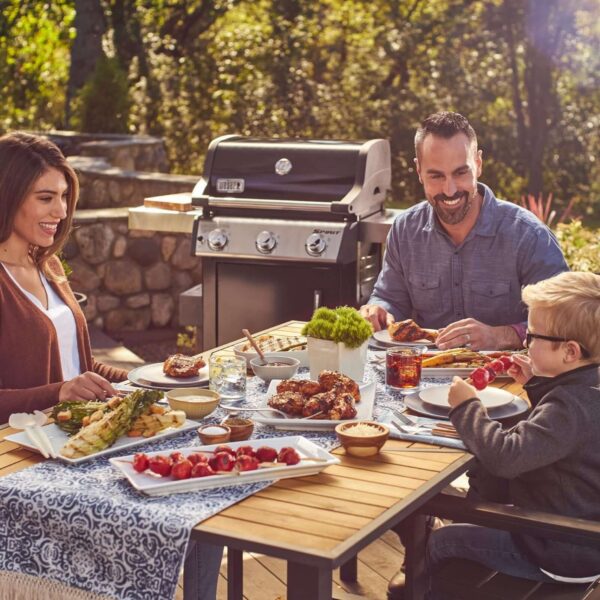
column 364, row 412
column 58, row 438
column 161, row 486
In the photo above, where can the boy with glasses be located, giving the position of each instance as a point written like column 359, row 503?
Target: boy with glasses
column 549, row 462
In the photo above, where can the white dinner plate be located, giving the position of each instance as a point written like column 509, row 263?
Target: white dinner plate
column 383, row 337
column 490, row 397
column 514, row 409
column 153, row 375
column 364, row 411
column 160, row 486
column 58, row 438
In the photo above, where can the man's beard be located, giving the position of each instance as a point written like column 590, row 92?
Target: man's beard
column 455, row 214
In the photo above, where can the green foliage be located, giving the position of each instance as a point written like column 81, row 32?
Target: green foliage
column 346, row 69
column 343, row 324
column 34, row 62
column 187, row 341
column 102, row 105
column 580, row 245
column 65, row 265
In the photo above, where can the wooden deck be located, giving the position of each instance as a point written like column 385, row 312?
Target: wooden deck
column 264, row 577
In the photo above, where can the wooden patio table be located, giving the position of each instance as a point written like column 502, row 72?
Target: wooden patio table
column 321, row 522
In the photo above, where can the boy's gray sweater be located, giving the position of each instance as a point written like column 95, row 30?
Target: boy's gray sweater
column 551, row 459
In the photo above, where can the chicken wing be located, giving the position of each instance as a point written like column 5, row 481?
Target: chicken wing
column 342, row 383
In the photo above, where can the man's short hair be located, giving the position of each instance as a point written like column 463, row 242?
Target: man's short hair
column 571, row 308
column 444, row 125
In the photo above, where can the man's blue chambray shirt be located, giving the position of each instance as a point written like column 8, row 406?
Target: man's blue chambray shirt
column 427, row 278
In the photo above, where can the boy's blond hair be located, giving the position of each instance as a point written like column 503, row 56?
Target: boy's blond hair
column 571, row 305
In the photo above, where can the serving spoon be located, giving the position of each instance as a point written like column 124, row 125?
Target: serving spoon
column 31, row 424
column 255, row 346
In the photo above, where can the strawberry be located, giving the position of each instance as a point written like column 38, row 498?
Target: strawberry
column 176, row 456
column 266, row 454
column 497, row 366
column 202, row 470
column 224, row 448
column 507, row 361
column 161, row 465
column 289, row 456
column 182, row 469
column 491, row 373
column 244, row 462
column 245, row 450
column 221, row 461
column 480, row 378
column 197, row 457
column 140, row 462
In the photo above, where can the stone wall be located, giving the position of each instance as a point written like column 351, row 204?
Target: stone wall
column 132, row 278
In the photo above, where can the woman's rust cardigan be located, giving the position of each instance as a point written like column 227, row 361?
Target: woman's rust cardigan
column 30, row 369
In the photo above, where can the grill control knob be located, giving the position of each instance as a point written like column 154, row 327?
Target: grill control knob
column 266, row 242
column 217, row 239
column 315, row 244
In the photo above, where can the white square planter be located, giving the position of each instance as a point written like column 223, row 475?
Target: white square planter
column 335, row 356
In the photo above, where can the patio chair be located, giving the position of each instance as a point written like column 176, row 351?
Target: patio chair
column 469, row 580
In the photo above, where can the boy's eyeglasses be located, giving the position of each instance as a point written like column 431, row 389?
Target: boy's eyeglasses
column 536, row 336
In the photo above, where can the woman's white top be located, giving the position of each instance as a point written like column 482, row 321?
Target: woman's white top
column 64, row 322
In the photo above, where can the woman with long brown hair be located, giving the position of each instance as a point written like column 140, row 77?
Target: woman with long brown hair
column 45, row 353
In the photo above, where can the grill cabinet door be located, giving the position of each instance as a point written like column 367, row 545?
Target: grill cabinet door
column 259, row 295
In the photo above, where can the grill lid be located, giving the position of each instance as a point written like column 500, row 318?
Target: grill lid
column 244, row 173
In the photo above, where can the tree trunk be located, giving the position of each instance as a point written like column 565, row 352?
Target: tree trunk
column 90, row 26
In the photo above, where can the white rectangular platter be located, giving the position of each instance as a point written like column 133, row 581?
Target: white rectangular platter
column 58, row 438
column 364, row 411
column 160, row 486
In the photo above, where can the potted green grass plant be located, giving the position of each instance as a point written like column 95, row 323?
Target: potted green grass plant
column 337, row 341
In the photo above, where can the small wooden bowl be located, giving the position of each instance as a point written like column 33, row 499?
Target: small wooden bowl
column 207, row 437
column 356, row 438
column 241, row 429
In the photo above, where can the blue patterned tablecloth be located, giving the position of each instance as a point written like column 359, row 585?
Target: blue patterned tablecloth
column 85, row 526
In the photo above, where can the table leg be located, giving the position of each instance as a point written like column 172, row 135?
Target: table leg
column 305, row 582
column 235, row 574
column 349, row 570
column 416, row 541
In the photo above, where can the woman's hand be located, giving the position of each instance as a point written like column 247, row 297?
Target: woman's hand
column 87, row 386
column 520, row 370
column 460, row 391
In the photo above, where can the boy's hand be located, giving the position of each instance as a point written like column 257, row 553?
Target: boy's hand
column 460, row 391
column 521, row 370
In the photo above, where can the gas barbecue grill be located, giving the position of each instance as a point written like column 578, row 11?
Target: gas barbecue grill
column 282, row 229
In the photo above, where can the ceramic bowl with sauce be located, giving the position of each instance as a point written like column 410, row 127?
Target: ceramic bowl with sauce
column 241, row 429
column 214, row 434
column 278, row 366
column 362, row 438
column 196, row 403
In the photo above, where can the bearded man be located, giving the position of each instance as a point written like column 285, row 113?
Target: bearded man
column 458, row 260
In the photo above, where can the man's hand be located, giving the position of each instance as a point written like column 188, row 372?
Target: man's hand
column 460, row 391
column 521, row 370
column 478, row 336
column 377, row 316
column 87, row 386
